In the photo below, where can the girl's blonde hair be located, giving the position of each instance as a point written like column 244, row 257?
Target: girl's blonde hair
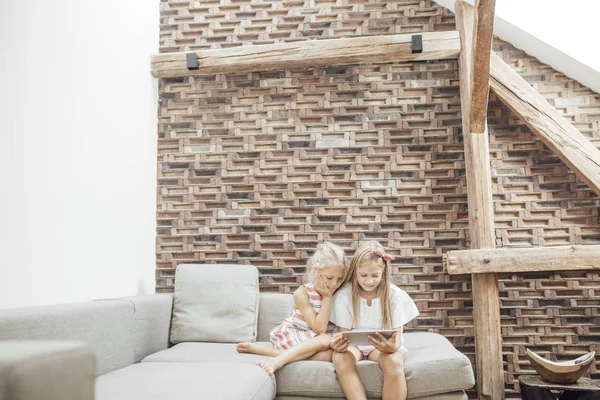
column 364, row 255
column 327, row 255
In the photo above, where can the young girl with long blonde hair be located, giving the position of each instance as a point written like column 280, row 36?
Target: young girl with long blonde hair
column 368, row 301
column 306, row 334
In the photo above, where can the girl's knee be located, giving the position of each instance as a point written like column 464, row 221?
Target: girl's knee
column 324, row 342
column 392, row 364
column 323, row 356
column 343, row 361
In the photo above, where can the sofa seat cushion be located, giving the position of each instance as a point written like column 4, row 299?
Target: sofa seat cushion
column 432, row 366
column 203, row 352
column 432, row 358
column 186, row 381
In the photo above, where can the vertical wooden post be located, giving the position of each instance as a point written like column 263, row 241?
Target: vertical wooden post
column 483, row 35
column 486, row 301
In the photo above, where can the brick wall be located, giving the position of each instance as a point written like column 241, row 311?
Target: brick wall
column 258, row 168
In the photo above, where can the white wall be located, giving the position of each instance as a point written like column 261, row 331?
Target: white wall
column 77, row 150
column 570, row 27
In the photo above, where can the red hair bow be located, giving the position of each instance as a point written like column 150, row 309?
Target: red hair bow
column 386, row 257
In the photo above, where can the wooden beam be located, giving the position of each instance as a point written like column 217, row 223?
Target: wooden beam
column 534, row 259
column 574, row 149
column 477, row 160
column 486, row 298
column 309, row 53
column 483, row 34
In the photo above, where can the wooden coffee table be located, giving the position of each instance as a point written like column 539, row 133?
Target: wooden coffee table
column 533, row 387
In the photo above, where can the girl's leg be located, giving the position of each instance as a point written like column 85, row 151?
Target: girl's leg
column 301, row 351
column 345, row 367
column 394, row 381
column 260, row 348
column 322, row 356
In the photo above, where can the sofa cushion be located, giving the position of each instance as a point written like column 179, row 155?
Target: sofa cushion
column 215, row 303
column 106, row 325
column 203, row 352
column 318, row 379
column 152, row 321
column 186, row 381
column 430, row 358
column 274, row 308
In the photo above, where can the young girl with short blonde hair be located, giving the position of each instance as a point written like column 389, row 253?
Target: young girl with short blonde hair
column 306, row 334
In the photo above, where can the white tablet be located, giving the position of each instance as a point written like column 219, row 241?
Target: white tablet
column 359, row 338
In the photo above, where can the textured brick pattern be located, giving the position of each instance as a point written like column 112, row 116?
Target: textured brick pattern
column 258, row 168
column 199, row 25
column 540, row 202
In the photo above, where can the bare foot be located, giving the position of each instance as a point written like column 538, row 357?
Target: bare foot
column 243, row 347
column 270, row 366
column 261, row 348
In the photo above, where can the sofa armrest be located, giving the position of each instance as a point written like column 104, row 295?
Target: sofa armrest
column 46, row 370
column 152, row 323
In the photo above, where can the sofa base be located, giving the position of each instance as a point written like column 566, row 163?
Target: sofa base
column 459, row 395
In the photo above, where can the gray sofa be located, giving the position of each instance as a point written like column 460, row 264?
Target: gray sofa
column 119, row 349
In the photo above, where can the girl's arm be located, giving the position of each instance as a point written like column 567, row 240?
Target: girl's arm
column 317, row 321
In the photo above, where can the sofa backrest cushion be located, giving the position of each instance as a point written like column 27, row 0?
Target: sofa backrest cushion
column 152, row 323
column 274, row 308
column 215, row 303
column 106, row 325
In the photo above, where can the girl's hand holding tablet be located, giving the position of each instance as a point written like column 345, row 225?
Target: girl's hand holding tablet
column 339, row 343
column 384, row 345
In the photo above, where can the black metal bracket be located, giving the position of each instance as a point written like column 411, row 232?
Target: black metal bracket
column 191, row 61
column 417, row 43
